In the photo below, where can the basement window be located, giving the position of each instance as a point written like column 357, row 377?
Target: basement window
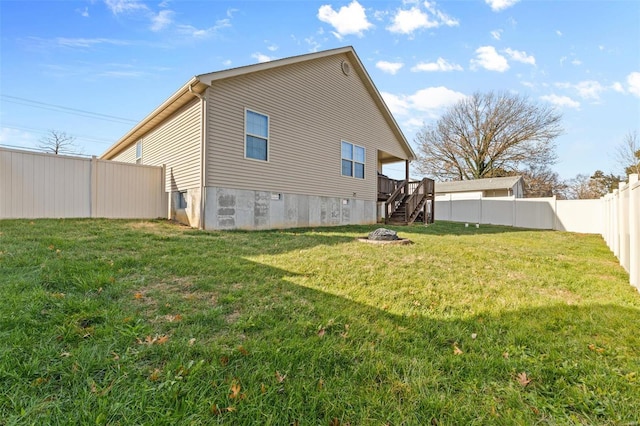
column 182, row 200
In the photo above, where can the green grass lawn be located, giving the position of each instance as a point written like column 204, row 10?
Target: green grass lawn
column 147, row 322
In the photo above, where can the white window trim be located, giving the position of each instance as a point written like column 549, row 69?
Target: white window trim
column 244, row 137
column 139, row 158
column 353, row 161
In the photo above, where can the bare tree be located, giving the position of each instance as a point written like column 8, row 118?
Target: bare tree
column 584, row 187
column 627, row 154
column 489, row 134
column 57, row 142
column 543, row 182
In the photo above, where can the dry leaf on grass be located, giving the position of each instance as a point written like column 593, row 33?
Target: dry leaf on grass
column 523, row 379
column 235, row 391
column 218, row 411
column 457, row 350
column 279, row 377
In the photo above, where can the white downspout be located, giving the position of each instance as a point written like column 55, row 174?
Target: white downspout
column 203, row 147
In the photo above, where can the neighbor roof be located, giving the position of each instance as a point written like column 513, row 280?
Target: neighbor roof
column 199, row 83
column 477, row 184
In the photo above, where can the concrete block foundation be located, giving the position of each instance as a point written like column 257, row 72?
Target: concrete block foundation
column 246, row 209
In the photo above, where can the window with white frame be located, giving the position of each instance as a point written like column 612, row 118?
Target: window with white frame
column 256, row 135
column 352, row 160
column 139, row 153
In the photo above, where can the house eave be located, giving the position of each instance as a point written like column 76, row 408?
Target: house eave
column 176, row 101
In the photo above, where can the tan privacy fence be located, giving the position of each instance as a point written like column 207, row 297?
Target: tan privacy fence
column 38, row 185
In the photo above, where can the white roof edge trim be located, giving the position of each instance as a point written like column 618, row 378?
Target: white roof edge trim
column 134, row 132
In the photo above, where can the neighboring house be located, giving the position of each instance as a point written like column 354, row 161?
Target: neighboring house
column 291, row 142
column 511, row 186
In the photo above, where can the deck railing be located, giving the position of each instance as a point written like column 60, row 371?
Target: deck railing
column 415, row 197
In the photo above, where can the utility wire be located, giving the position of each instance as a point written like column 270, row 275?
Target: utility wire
column 30, row 148
column 60, row 108
column 46, row 132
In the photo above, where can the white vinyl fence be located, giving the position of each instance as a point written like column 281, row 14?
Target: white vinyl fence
column 622, row 226
column 39, row 185
column 615, row 216
column 536, row 213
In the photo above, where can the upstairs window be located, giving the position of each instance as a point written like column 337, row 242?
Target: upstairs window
column 139, row 153
column 352, row 160
column 256, row 127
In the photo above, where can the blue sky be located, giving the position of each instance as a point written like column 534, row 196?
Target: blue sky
column 110, row 63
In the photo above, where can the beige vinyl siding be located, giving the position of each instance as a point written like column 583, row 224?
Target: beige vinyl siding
column 127, row 155
column 312, row 107
column 175, row 143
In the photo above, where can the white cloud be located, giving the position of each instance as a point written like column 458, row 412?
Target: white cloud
column 589, row 89
column 350, row 19
column 561, row 101
column 576, row 62
column 314, row 45
column 83, row 12
column 520, row 56
column 633, row 80
column 18, row 138
column 88, row 42
column 617, row 87
column 194, row 32
column 406, row 21
column 496, row 34
column 559, row 33
column 124, row 6
column 498, row 5
column 434, row 99
column 431, row 100
column 443, row 18
column 398, row 105
column 260, row 57
column 163, row 19
column 272, row 47
column 227, row 62
column 440, row 65
column 489, row 59
column 389, row 67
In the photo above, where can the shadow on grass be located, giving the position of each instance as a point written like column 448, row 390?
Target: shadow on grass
column 292, row 353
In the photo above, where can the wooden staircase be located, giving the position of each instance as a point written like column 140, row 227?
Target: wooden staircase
column 411, row 202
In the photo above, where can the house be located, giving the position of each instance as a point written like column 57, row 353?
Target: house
column 510, row 186
column 292, row 142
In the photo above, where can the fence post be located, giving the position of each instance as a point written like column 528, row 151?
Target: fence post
column 634, row 231
column 93, row 209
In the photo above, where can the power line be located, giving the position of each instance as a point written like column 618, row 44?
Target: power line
column 30, row 148
column 46, row 131
column 67, row 110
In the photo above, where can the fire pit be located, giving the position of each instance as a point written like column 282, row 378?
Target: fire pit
column 384, row 236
